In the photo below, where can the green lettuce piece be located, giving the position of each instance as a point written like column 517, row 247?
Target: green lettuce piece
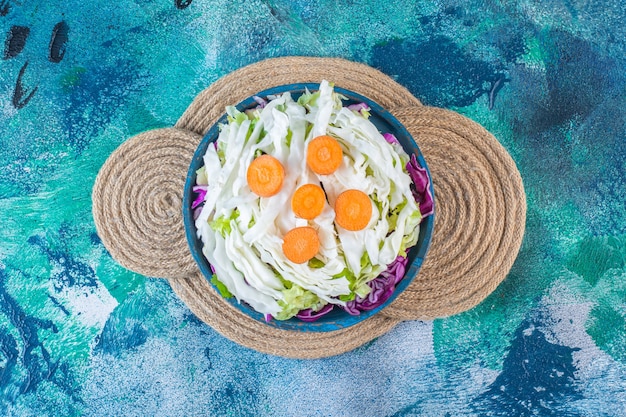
column 377, row 202
column 254, row 115
column 410, row 239
column 295, row 299
column 223, row 225
column 393, row 214
column 308, row 99
column 349, row 275
column 365, row 260
column 358, row 286
column 307, row 129
column 221, row 152
column 201, row 178
column 347, row 297
column 221, row 288
column 316, row 263
column 336, row 98
column 346, row 273
column 362, row 289
column 235, row 116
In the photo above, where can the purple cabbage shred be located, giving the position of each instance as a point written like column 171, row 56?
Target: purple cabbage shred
column 310, row 315
column 358, row 107
column 421, row 181
column 200, row 190
column 196, row 212
column 390, row 138
column 382, row 287
column 260, row 101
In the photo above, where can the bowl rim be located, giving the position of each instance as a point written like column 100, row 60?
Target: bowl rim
column 416, row 254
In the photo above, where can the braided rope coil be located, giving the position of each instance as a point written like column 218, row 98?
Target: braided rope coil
column 137, row 202
column 480, row 202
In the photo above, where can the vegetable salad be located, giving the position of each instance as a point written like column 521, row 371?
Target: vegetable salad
column 247, row 212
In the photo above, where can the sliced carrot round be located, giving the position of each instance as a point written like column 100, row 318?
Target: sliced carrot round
column 265, row 176
column 353, row 210
column 308, row 201
column 301, row 244
column 324, row 155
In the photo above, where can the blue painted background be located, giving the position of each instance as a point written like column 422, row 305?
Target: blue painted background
column 79, row 335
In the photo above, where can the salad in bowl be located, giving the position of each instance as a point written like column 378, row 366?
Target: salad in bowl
column 308, row 207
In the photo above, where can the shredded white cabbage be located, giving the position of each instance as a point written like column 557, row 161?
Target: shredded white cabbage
column 242, row 233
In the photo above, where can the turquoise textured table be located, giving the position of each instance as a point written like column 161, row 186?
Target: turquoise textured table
column 80, row 335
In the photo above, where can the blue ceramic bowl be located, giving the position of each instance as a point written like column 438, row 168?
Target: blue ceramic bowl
column 337, row 318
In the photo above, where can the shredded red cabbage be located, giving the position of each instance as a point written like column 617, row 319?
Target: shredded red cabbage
column 260, row 101
column 421, row 181
column 359, row 107
column 420, row 178
column 382, row 287
column 310, row 315
column 390, row 138
column 200, row 190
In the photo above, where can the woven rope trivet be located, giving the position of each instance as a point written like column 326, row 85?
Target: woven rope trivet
column 479, row 223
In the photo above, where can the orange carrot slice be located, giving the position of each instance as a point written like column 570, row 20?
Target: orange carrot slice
column 301, row 244
column 353, row 210
column 324, row 155
column 265, row 176
column 308, row 201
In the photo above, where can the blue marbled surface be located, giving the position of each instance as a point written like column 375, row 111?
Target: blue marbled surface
column 80, row 335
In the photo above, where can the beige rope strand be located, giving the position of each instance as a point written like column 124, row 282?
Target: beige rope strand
column 209, row 105
column 231, row 323
column 480, row 215
column 137, row 203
